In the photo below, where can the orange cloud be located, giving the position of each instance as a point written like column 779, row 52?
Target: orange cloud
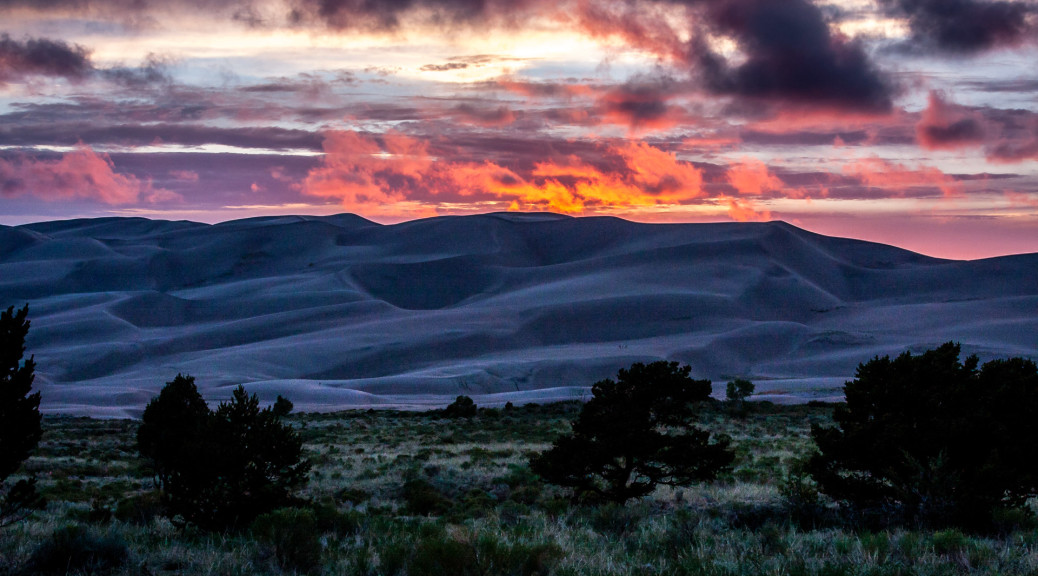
column 750, row 177
column 881, row 173
column 744, row 210
column 81, row 173
column 375, row 173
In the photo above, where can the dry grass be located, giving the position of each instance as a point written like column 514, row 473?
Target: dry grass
column 499, row 519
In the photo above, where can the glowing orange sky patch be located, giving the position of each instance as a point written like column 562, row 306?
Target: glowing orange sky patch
column 365, row 171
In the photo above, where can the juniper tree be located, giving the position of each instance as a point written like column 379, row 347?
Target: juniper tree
column 221, row 468
column 636, row 433
column 936, row 439
column 20, row 420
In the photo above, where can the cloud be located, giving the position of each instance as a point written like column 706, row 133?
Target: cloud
column 893, row 176
column 791, row 55
column 184, row 175
column 965, row 26
column 744, row 210
column 1017, row 136
column 484, row 116
column 751, row 177
column 79, row 174
column 945, row 126
column 371, row 174
column 641, row 103
column 41, row 56
column 48, row 130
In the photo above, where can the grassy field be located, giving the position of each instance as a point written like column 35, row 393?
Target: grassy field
column 417, row 494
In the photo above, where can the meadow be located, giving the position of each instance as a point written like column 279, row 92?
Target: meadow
column 415, row 493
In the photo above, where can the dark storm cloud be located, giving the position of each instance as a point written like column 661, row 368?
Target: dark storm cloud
column 641, row 102
column 42, row 56
column 966, row 26
column 966, row 130
column 791, row 55
column 153, row 71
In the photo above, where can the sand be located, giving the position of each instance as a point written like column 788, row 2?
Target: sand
column 340, row 312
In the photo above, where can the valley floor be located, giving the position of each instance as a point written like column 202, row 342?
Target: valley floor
column 471, row 506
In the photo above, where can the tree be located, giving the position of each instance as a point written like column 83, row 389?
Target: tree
column 221, row 469
column 462, row 407
column 175, row 423
column 634, row 434
column 736, row 393
column 933, row 438
column 20, row 428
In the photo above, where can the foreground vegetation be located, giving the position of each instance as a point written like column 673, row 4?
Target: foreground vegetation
column 421, row 493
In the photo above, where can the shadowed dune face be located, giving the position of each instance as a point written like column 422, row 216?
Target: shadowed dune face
column 338, row 311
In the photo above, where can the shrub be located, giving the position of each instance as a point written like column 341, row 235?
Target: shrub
column 462, row 407
column 221, row 469
column 74, row 549
column 140, row 508
column 471, row 555
column 934, row 439
column 634, row 434
column 293, row 536
column 424, row 499
column 20, row 428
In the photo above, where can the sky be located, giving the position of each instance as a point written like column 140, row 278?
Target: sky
column 907, row 122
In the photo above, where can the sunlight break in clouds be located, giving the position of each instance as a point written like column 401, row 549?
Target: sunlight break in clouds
column 369, row 174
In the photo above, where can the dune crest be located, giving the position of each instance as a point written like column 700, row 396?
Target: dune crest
column 338, row 311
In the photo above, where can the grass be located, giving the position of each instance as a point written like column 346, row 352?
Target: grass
column 413, row 494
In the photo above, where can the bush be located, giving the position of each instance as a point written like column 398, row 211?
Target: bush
column 634, row 434
column 933, row 439
column 140, row 508
column 293, row 536
column 74, row 549
column 224, row 468
column 20, row 418
column 462, row 407
column 470, row 555
column 422, row 498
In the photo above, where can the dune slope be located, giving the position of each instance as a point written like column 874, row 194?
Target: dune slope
column 338, row 311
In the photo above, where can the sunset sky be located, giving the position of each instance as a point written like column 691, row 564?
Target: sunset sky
column 908, row 122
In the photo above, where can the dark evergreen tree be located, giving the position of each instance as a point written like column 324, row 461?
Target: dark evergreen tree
column 221, row 469
column 20, row 428
column 175, row 423
column 462, row 407
column 635, row 433
column 934, row 439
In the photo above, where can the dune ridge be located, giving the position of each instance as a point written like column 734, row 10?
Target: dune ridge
column 337, row 312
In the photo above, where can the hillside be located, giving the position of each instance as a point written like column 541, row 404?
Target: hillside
column 339, row 311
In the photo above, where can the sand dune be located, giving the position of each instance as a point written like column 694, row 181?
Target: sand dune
column 338, row 312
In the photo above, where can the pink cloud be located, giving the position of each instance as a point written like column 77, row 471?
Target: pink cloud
column 81, row 173
column 880, row 173
column 751, row 177
column 184, row 175
column 945, row 125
